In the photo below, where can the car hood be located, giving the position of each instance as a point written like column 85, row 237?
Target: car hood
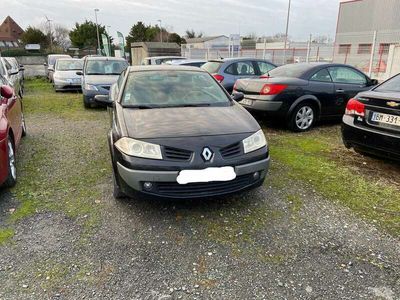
column 188, row 122
column 101, row 79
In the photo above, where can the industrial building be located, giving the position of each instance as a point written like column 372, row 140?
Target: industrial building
column 365, row 31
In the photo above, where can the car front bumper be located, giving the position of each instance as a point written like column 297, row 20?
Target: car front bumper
column 88, row 95
column 370, row 140
column 164, row 183
column 66, row 85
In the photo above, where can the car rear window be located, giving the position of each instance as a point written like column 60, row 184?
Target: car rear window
column 392, row 85
column 212, row 66
column 292, row 71
column 172, row 88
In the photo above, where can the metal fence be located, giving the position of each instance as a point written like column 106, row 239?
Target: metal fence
column 367, row 51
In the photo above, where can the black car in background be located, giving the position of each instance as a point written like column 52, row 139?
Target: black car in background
column 372, row 120
column 303, row 93
column 177, row 133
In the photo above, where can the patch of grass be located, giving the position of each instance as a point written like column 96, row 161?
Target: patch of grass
column 6, row 234
column 64, row 160
column 307, row 157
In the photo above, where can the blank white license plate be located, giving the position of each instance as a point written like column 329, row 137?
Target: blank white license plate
column 246, row 102
column 386, row 119
column 206, row 175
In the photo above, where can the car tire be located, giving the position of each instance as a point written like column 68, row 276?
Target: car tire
column 24, row 131
column 117, row 193
column 12, row 169
column 86, row 104
column 303, row 117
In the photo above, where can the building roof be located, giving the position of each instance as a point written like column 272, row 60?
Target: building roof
column 203, row 39
column 10, row 31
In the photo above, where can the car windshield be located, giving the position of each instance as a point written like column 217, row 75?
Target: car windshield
column 69, row 65
column 392, row 85
column 292, row 71
column 212, row 66
column 105, row 67
column 171, row 89
column 52, row 59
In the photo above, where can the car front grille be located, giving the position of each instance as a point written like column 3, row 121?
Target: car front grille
column 231, row 150
column 177, row 154
column 176, row 190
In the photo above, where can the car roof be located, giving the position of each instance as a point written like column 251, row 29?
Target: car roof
column 184, row 61
column 161, row 57
column 105, row 58
column 67, row 58
column 164, row 68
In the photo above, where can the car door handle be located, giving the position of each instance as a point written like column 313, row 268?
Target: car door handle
column 339, row 91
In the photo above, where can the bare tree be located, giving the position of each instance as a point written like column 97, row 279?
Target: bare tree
column 60, row 36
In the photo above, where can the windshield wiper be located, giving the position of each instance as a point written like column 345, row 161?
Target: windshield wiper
column 191, row 105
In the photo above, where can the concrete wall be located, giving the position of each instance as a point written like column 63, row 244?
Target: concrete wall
column 33, row 65
column 393, row 66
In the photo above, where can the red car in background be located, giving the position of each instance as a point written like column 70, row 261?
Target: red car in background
column 12, row 128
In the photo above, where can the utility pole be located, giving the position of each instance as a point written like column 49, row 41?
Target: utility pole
column 287, row 32
column 161, row 31
column 97, row 29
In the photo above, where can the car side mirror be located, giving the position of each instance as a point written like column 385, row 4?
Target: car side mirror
column 21, row 68
column 80, row 73
column 238, row 97
column 103, row 100
column 6, row 92
column 373, row 82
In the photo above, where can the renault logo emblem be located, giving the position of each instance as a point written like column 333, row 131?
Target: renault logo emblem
column 207, row 154
column 393, row 104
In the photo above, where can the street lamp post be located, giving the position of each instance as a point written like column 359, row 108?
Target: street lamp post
column 160, row 31
column 287, row 32
column 97, row 29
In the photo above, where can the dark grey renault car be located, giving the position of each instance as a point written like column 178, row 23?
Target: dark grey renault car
column 177, row 133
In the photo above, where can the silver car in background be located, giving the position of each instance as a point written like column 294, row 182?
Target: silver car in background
column 11, row 74
column 49, row 65
column 227, row 71
column 64, row 76
column 186, row 62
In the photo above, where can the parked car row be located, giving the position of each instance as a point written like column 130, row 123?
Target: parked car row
column 13, row 73
column 12, row 129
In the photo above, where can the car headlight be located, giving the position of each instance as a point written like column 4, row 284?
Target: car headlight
column 254, row 142
column 90, row 87
column 137, row 148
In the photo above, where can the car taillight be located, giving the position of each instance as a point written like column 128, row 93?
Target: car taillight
column 235, row 86
column 272, row 89
column 355, row 108
column 218, row 77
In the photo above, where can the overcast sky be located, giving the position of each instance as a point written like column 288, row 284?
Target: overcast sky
column 212, row 17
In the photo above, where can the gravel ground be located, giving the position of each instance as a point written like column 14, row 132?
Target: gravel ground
column 282, row 242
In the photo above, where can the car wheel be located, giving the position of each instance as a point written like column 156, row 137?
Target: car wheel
column 86, row 104
column 24, row 131
column 12, row 169
column 117, row 193
column 303, row 117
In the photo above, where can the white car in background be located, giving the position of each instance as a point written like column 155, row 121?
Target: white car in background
column 159, row 60
column 186, row 62
column 65, row 77
column 49, row 65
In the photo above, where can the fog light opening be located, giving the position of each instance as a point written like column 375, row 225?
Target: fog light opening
column 148, row 186
column 256, row 175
